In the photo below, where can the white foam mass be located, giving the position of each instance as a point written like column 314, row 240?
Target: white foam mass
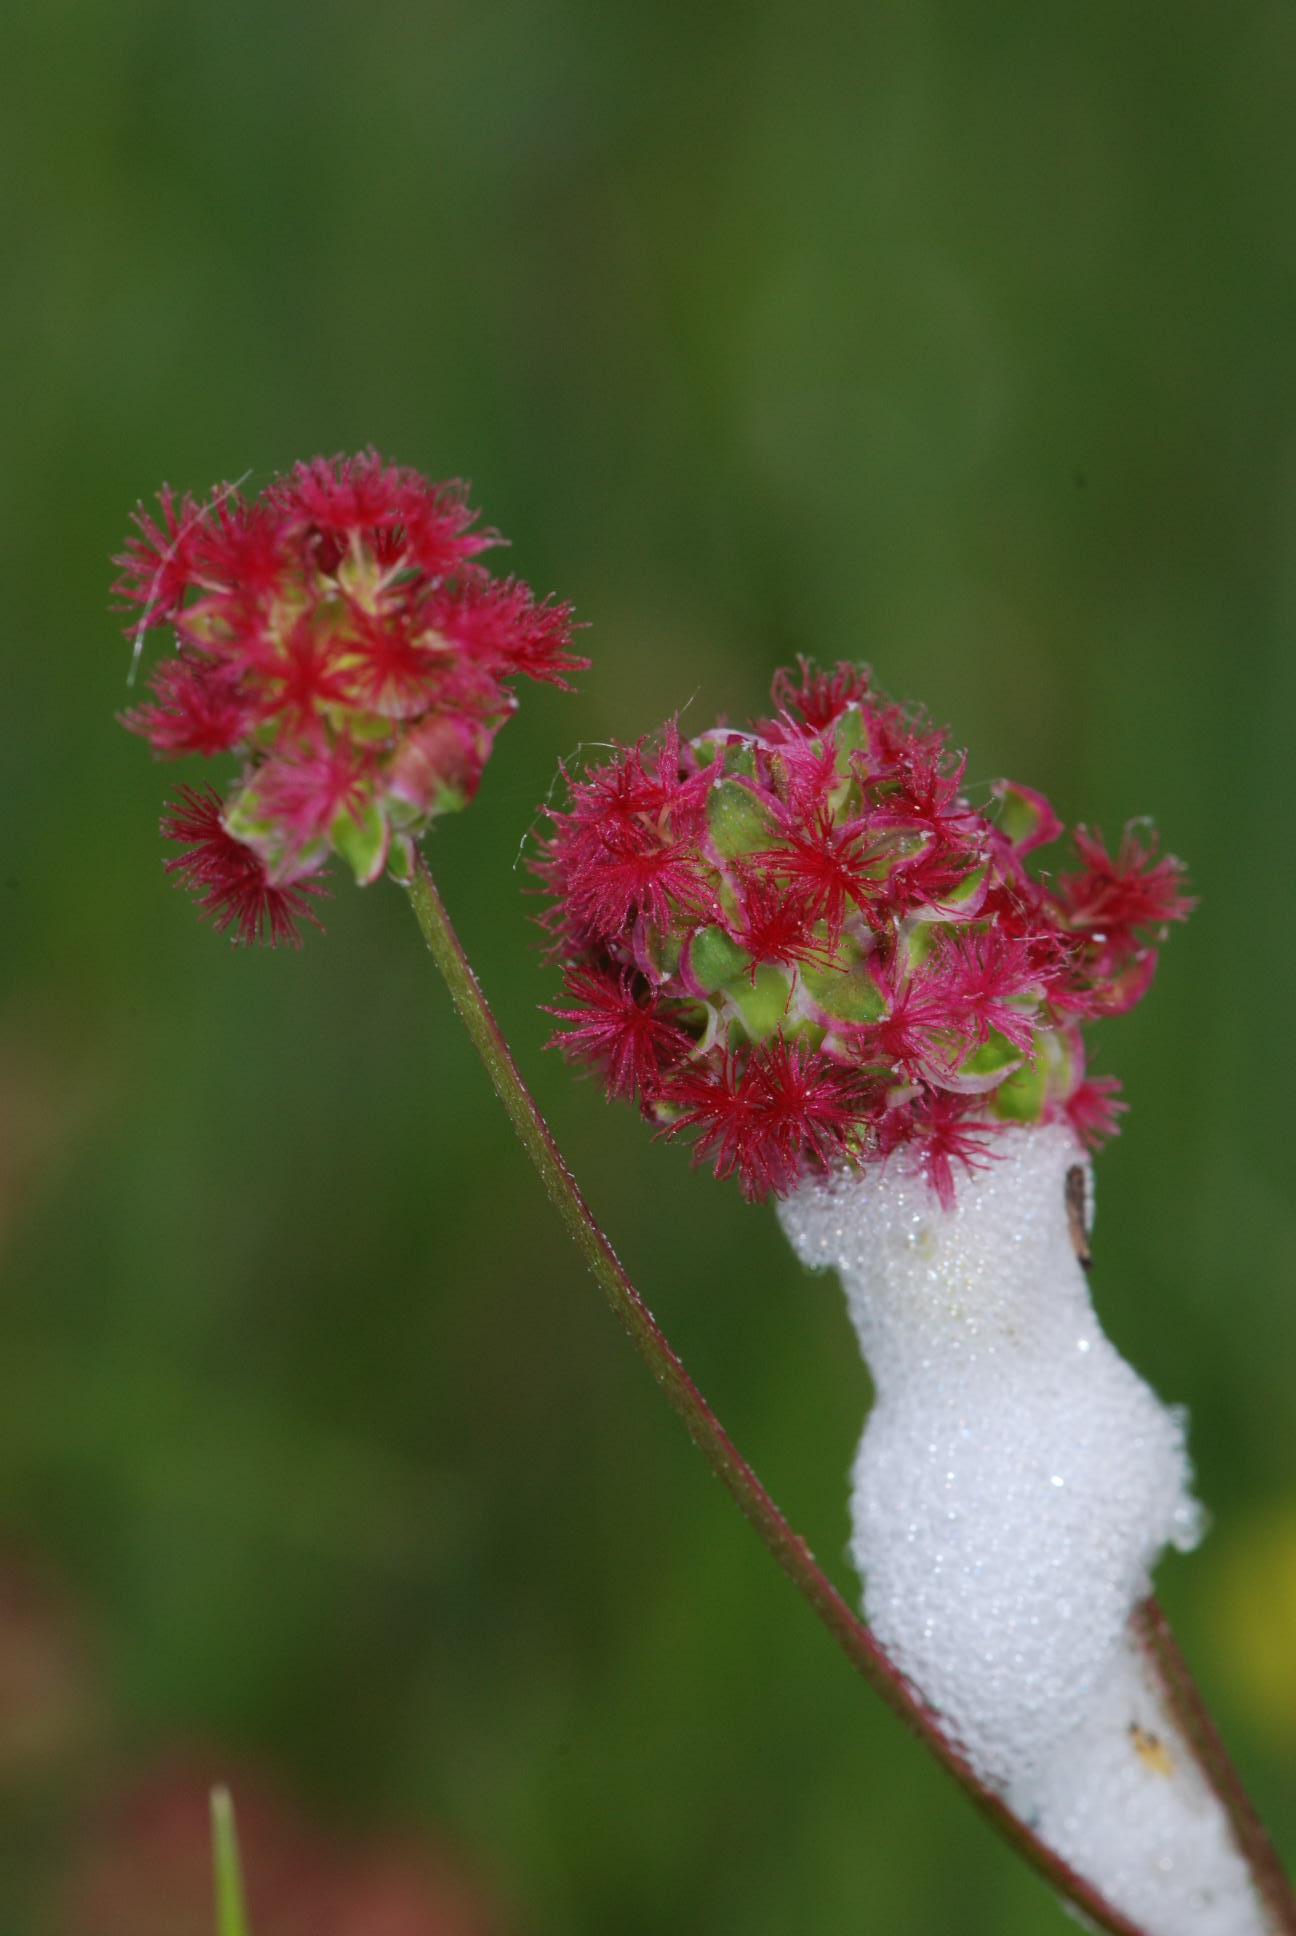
column 1014, row 1486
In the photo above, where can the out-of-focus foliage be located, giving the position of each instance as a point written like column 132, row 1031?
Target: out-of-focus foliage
column 957, row 338
column 1254, row 1604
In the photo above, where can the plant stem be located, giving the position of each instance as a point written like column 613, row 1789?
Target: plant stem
column 721, row 1454
column 1183, row 1698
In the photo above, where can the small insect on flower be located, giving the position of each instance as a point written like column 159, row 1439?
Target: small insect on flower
column 804, row 944
column 340, row 639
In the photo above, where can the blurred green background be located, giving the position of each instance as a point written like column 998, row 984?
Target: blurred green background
column 954, row 337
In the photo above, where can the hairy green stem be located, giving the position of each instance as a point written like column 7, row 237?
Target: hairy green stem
column 707, row 1433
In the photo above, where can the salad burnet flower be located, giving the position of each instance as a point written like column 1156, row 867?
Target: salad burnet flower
column 803, row 944
column 340, row 638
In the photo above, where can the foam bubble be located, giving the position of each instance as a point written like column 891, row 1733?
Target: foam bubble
column 1014, row 1486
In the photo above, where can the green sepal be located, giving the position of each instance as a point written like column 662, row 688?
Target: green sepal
column 848, row 735
column 900, row 847
column 1024, row 816
column 761, row 1002
column 244, row 820
column 362, row 843
column 994, row 1055
column 663, row 949
column 403, row 816
column 739, row 823
column 968, row 889
column 400, row 859
column 740, row 757
column 1017, row 817
column 449, row 799
column 847, row 994
column 693, row 1016
column 371, row 728
column 916, row 941
column 1020, row 1096
column 715, row 957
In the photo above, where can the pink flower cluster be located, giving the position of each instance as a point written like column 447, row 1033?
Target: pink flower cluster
column 340, row 637
column 802, row 943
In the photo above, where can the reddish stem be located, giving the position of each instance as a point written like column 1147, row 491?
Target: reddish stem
column 1183, row 1698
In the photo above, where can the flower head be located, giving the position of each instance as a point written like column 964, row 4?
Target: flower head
column 802, row 943
column 339, row 637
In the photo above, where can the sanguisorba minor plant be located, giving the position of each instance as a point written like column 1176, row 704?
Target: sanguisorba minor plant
column 804, row 945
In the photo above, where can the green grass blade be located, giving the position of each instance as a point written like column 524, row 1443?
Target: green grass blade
column 231, row 1914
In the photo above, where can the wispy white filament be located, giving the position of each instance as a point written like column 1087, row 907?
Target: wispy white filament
column 1014, row 1486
